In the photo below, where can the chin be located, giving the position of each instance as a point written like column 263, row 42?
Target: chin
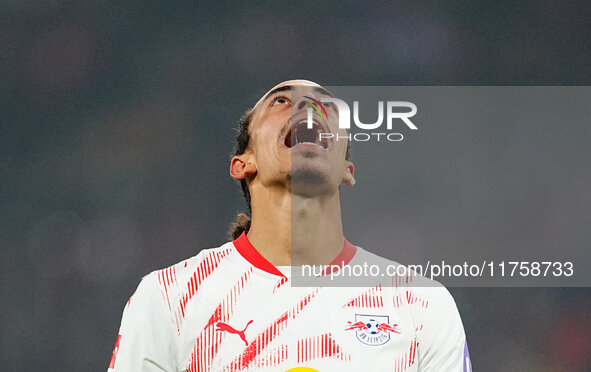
column 308, row 182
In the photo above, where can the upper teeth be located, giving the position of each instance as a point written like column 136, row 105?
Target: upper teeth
column 305, row 121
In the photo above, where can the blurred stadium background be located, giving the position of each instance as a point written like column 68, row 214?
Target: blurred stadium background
column 116, row 128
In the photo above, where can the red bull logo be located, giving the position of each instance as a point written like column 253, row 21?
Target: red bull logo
column 373, row 330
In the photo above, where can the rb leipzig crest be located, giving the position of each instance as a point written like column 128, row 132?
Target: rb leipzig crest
column 373, row 330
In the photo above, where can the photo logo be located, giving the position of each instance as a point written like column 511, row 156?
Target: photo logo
column 316, row 105
column 394, row 111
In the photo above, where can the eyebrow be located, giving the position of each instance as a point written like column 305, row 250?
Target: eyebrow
column 277, row 90
column 321, row 90
column 288, row 87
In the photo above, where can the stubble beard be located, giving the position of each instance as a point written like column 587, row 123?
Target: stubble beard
column 307, row 181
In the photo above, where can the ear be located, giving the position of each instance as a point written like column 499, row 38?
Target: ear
column 242, row 167
column 349, row 176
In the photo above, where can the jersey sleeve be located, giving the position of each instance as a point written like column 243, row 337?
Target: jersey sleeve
column 146, row 338
column 444, row 341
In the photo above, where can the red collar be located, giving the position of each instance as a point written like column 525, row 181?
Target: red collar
column 249, row 253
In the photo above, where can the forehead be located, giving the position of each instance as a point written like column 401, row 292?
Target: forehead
column 287, row 85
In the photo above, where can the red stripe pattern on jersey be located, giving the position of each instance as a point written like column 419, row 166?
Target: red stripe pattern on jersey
column 397, row 300
column 115, row 351
column 322, row 346
column 281, row 282
column 370, row 299
column 412, row 299
column 401, row 281
column 256, row 347
column 208, row 342
column 272, row 357
column 202, row 272
column 167, row 278
column 403, row 362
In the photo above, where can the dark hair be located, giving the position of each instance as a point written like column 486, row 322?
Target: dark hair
column 242, row 222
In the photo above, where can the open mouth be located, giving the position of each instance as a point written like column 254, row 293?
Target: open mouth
column 301, row 134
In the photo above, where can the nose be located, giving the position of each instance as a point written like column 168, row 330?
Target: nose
column 309, row 101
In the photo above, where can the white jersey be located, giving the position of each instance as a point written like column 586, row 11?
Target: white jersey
column 229, row 309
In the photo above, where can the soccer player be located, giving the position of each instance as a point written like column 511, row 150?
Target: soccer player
column 234, row 308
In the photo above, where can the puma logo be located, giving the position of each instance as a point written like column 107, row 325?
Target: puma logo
column 225, row 327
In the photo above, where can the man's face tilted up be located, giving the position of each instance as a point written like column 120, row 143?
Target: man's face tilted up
column 284, row 153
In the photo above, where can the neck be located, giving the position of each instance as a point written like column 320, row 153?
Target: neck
column 292, row 230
